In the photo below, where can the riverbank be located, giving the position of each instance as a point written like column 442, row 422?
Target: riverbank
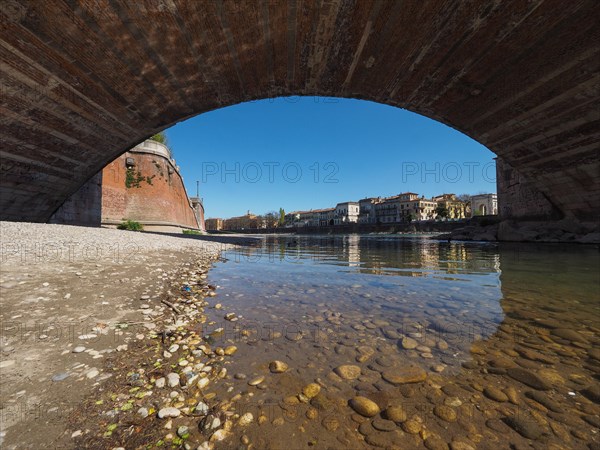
column 560, row 231
column 76, row 305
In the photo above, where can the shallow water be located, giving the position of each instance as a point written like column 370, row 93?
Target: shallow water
column 481, row 345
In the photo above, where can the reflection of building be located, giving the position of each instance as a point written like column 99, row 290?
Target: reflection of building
column 484, row 204
column 214, row 224
column 346, row 212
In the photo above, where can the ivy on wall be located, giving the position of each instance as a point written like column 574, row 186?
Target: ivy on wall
column 134, row 179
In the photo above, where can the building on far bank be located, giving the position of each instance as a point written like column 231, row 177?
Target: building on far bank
column 346, row 212
column 456, row 209
column 214, row 224
column 366, row 209
column 484, row 205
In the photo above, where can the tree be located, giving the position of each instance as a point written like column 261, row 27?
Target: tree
column 281, row 217
column 441, row 211
column 271, row 219
column 162, row 138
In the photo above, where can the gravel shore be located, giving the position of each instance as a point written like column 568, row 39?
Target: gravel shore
column 65, row 293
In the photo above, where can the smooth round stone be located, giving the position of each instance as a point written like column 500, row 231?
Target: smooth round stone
column 278, row 366
column 246, row 419
column 569, row 335
column 403, row 375
column 364, row 406
column 183, row 431
column 230, row 350
column 256, row 381
column 396, row 414
column 330, row 423
column 383, row 424
column 379, row 440
column 311, row 390
column 240, row 376
column 168, row 412
column 173, row 379
column 525, row 425
column 453, row 401
column 445, row 412
column 79, row 349
column 528, row 378
column 384, row 361
column 435, row 443
column 348, row 371
column 312, row 413
column 365, row 428
column 411, row 426
column 409, row 343
column 495, row 394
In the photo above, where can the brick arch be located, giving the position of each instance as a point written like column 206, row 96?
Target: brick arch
column 83, row 81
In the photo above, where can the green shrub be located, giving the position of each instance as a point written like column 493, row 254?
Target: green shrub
column 130, row 225
column 191, row 232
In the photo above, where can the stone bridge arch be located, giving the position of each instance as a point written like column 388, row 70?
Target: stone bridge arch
column 84, row 80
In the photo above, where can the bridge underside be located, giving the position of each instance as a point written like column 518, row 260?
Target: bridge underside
column 82, row 81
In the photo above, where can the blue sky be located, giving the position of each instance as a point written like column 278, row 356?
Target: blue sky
column 313, row 152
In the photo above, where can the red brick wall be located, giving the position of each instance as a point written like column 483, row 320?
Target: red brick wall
column 162, row 200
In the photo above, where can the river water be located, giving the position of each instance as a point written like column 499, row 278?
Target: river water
column 453, row 345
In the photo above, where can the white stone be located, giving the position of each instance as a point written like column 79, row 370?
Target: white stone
column 168, row 412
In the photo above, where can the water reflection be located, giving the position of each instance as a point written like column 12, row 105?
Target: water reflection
column 485, row 324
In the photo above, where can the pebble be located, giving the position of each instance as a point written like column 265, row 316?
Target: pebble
column 569, row 335
column 201, row 408
column 524, row 424
column 330, row 423
column 364, row 406
column 529, row 378
column 60, row 376
column 160, row 382
column 256, row 381
column 143, row 412
column 183, row 432
column 348, row 372
column 411, row 426
column 311, row 390
column 173, row 379
column 495, row 394
column 168, row 412
column 383, row 424
column 230, row 350
column 246, row 419
column 278, row 366
column 93, row 372
column 445, row 412
column 396, row 413
column 402, row 375
column 7, row 363
column 543, row 399
column 79, row 349
column 435, row 443
column 409, row 343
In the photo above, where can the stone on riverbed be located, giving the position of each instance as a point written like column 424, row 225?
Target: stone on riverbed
column 495, row 394
column 524, row 424
column 311, row 390
column 528, row 378
column 348, row 371
column 364, row 406
column 408, row 343
column 278, row 366
column 396, row 414
column 403, row 375
column 569, row 335
column 173, row 379
column 168, row 412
